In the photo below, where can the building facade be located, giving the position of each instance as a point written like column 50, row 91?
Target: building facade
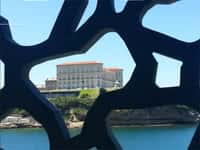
column 112, row 78
column 86, row 75
column 51, row 83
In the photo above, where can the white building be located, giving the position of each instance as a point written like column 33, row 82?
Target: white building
column 51, row 83
column 91, row 74
column 112, row 77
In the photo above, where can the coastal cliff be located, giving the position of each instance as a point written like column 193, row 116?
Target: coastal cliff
column 141, row 117
column 74, row 110
column 154, row 116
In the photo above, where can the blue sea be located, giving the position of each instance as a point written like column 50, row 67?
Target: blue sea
column 131, row 138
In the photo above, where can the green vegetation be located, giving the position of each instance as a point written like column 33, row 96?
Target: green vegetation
column 73, row 105
column 89, row 93
column 80, row 113
column 20, row 112
column 70, row 107
column 76, row 106
column 75, row 109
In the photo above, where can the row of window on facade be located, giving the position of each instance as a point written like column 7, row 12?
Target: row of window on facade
column 88, row 76
column 87, row 83
column 97, row 84
column 64, row 86
column 79, row 81
column 78, row 77
column 74, row 86
column 79, row 69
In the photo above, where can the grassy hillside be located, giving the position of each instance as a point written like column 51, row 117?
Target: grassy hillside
column 91, row 93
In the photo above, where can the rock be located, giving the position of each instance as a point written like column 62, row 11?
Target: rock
column 153, row 116
column 18, row 122
column 78, row 124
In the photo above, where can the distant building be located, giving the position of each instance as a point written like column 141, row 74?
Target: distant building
column 112, row 78
column 82, row 75
column 91, row 74
column 41, row 87
column 51, row 83
column 73, row 76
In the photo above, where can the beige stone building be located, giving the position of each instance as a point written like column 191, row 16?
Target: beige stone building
column 51, row 83
column 112, row 77
column 83, row 75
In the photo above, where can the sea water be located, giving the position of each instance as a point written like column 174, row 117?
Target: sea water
column 176, row 137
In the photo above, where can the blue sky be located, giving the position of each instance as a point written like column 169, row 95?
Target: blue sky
column 32, row 20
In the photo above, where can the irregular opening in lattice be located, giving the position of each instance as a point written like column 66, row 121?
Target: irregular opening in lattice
column 2, row 75
column 27, row 130
column 168, row 73
column 39, row 25
column 88, row 12
column 184, row 27
column 167, row 125
column 75, row 100
column 120, row 5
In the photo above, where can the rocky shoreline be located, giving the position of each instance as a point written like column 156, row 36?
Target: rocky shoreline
column 154, row 116
column 12, row 122
column 160, row 116
column 79, row 124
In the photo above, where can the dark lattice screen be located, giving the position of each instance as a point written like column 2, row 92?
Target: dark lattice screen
column 65, row 40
